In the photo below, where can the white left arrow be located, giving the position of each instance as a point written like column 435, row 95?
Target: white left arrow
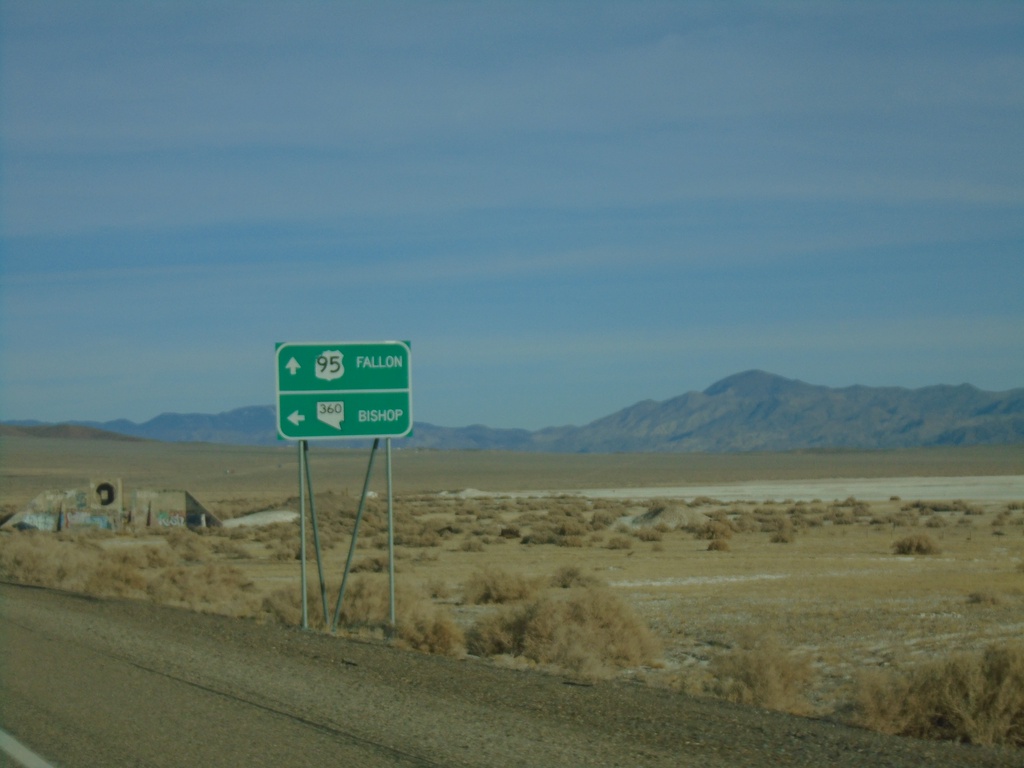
column 293, row 365
column 296, row 418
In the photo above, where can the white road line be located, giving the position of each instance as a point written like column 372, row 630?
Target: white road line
column 20, row 753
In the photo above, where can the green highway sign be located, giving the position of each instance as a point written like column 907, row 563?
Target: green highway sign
column 336, row 390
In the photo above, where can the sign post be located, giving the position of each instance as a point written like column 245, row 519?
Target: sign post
column 343, row 390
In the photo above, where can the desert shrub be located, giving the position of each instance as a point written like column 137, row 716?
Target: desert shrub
column 76, row 563
column 649, row 534
column 279, row 606
column 916, row 544
column 972, row 698
column 601, row 519
column 703, row 501
column 424, row 627
column 117, row 574
column 30, row 557
column 935, row 521
column 493, row 585
column 590, row 633
column 571, row 576
column 510, row 532
column 762, row 673
column 570, row 527
column 471, row 545
column 438, row 589
column 415, row 535
column 841, row 516
column 619, row 542
column 372, row 564
column 276, row 532
column 231, row 548
column 714, row 529
column 783, row 534
column 419, row 624
column 983, row 598
column 746, row 523
column 189, row 546
column 542, row 533
column 213, row 588
column 719, row 545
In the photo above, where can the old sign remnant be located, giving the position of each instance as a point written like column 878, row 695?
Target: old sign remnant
column 100, row 505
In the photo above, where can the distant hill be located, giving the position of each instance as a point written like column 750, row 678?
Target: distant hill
column 750, row 411
column 758, row 411
column 63, row 430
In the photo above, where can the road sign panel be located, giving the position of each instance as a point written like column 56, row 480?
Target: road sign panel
column 336, row 390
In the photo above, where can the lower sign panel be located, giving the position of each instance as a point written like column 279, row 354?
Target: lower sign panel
column 310, row 416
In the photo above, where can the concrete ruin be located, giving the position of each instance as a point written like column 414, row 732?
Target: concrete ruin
column 101, row 505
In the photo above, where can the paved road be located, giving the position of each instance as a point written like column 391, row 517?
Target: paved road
column 89, row 682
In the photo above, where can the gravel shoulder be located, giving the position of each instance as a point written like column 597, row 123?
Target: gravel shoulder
column 373, row 703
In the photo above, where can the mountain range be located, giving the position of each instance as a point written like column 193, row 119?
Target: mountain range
column 750, row 411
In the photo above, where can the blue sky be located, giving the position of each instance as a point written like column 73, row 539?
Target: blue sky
column 566, row 207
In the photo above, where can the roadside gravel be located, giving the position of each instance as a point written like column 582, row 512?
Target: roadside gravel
column 397, row 707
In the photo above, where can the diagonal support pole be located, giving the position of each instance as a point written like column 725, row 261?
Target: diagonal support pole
column 355, row 535
column 316, row 531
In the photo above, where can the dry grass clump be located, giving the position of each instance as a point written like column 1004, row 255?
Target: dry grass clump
column 762, row 673
column 77, row 563
column 971, row 698
column 371, row 564
column 719, row 545
column 714, row 529
column 420, row 625
column 589, row 633
column 649, row 534
column 570, row 576
column 784, row 532
column 619, row 542
column 916, row 544
column 841, row 516
column 494, row 585
column 414, row 534
column 189, row 546
column 213, row 588
column 983, row 597
column 601, row 519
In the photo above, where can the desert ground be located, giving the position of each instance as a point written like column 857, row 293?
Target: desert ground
column 827, row 584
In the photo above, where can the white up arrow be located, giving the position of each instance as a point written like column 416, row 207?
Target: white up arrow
column 293, row 366
column 296, row 418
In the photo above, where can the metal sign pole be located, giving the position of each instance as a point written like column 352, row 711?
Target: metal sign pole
column 391, row 543
column 355, row 535
column 302, row 532
column 316, row 531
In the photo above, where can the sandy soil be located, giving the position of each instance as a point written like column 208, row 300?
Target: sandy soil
column 1001, row 488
